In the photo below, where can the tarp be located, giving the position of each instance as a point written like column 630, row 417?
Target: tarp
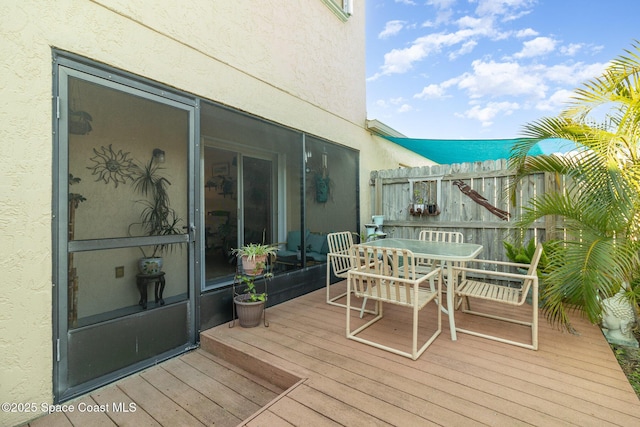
column 448, row 151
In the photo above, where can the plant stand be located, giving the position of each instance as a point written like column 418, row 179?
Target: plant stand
column 233, row 303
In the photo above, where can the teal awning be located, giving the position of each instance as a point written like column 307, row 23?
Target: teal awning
column 448, row 151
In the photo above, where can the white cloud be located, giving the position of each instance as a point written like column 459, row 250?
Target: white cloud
column 430, row 92
column 404, row 108
column 596, row 49
column 481, row 27
column 409, row 2
column 428, row 24
column 391, row 29
column 399, row 61
column 509, row 10
column 536, row 47
column 440, row 4
column 572, row 49
column 556, row 101
column 444, row 12
column 528, row 32
column 495, row 79
column 464, row 49
column 487, row 113
column 573, row 74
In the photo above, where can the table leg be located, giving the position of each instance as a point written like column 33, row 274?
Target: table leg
column 451, row 289
column 160, row 285
column 142, row 285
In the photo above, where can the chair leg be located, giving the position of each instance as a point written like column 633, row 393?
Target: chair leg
column 328, row 282
column 364, row 304
column 533, row 324
column 331, row 300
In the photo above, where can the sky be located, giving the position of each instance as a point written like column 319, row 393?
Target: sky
column 482, row 69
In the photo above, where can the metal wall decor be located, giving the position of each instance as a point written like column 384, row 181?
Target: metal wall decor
column 481, row 200
column 111, row 166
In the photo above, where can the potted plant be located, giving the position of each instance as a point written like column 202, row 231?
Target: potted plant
column 322, row 187
column 249, row 304
column 417, row 205
column 254, row 257
column 157, row 218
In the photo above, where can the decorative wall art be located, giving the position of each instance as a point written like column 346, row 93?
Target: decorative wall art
column 481, row 200
column 220, row 169
column 112, row 166
column 220, row 179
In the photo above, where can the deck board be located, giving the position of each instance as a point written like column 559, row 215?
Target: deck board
column 314, row 376
column 571, row 380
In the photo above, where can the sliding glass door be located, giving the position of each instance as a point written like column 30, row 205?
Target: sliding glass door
column 240, row 205
column 257, row 206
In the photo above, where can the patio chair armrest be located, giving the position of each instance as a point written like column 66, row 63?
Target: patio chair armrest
column 501, row 263
column 419, row 280
column 518, row 276
column 338, row 254
column 425, row 277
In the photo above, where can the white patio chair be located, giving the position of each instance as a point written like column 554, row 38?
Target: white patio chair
column 441, row 236
column 395, row 282
column 502, row 294
column 339, row 260
column 426, row 265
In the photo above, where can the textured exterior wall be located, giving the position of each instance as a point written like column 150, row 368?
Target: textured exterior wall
column 294, row 63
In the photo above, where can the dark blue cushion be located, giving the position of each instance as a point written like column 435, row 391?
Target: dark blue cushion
column 293, row 240
column 315, row 242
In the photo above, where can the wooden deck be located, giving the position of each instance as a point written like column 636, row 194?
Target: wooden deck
column 314, row 376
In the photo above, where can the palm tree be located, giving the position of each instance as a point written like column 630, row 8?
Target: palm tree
column 600, row 203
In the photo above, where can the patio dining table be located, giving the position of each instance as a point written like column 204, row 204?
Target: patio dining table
column 446, row 252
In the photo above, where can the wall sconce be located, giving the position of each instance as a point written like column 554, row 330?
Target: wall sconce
column 158, row 155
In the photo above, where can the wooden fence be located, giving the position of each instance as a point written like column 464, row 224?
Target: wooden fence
column 472, row 198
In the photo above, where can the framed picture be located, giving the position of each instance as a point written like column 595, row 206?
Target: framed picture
column 220, row 169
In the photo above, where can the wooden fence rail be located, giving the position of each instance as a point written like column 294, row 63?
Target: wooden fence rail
column 473, row 199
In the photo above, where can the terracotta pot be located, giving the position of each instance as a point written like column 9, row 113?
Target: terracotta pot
column 249, row 313
column 255, row 266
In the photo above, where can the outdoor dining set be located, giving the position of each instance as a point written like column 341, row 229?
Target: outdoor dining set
column 415, row 272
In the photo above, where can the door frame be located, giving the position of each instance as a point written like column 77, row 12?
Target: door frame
column 278, row 196
column 64, row 66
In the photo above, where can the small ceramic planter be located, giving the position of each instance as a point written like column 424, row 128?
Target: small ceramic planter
column 254, row 266
column 150, row 265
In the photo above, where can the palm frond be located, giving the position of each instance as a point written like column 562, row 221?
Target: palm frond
column 600, row 200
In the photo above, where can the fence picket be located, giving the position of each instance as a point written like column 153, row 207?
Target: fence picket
column 458, row 211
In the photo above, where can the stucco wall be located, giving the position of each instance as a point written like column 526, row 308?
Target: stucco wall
column 294, row 63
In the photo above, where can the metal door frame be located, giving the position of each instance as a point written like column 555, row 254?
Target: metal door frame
column 65, row 65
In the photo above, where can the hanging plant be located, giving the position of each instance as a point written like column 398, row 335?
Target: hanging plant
column 322, row 188
column 79, row 122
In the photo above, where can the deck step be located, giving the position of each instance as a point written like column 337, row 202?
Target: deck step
column 267, row 380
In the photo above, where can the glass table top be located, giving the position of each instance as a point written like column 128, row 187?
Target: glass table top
column 428, row 249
